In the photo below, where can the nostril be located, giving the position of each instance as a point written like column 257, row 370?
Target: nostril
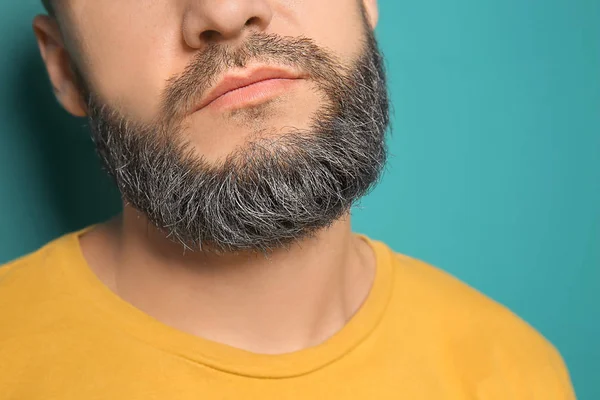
column 252, row 21
column 210, row 35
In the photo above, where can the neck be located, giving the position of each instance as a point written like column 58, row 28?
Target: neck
column 296, row 298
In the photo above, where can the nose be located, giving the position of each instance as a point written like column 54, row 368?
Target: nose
column 219, row 20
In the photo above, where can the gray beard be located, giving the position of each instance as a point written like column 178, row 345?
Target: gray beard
column 274, row 190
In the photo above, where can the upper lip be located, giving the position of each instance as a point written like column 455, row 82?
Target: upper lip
column 244, row 78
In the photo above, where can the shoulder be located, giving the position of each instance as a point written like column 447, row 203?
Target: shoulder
column 32, row 290
column 25, row 273
column 486, row 343
column 456, row 307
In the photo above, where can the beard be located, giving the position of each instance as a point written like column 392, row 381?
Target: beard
column 273, row 190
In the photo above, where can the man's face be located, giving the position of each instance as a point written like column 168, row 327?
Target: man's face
column 258, row 167
column 130, row 50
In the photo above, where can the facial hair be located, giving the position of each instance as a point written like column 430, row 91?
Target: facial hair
column 275, row 189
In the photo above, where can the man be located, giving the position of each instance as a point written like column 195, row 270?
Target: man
column 240, row 132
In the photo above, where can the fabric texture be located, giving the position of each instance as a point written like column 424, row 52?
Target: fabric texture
column 420, row 334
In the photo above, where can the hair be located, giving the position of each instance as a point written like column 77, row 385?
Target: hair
column 272, row 191
column 48, row 6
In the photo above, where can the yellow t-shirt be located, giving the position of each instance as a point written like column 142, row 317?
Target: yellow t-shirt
column 421, row 334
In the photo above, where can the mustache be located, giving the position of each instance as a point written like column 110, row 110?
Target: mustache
column 302, row 54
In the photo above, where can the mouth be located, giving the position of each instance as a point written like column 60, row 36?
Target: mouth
column 248, row 87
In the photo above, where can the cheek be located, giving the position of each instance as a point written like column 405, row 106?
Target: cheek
column 336, row 25
column 129, row 62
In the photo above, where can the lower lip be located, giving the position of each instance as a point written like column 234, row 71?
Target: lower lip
column 253, row 94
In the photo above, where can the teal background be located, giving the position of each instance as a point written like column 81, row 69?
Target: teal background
column 495, row 168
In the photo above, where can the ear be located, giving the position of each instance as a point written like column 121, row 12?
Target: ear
column 372, row 11
column 57, row 61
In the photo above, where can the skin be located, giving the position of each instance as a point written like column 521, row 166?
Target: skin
column 128, row 50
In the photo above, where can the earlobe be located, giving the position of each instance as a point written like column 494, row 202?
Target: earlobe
column 57, row 61
column 372, row 10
